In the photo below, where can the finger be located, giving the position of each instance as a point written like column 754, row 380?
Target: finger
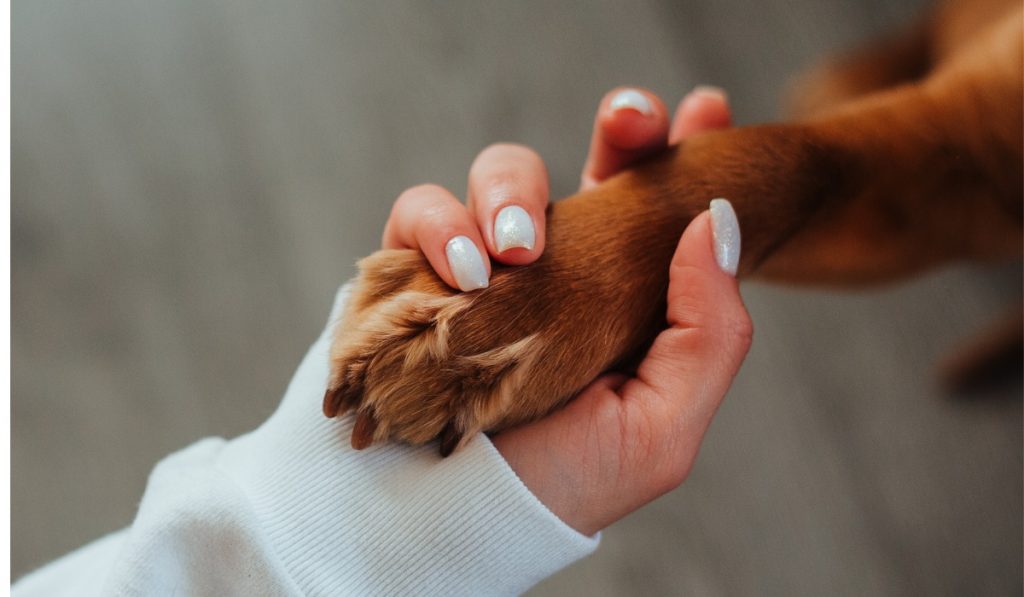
column 690, row 366
column 630, row 124
column 432, row 220
column 704, row 108
column 508, row 194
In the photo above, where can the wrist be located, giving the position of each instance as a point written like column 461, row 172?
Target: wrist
column 555, row 460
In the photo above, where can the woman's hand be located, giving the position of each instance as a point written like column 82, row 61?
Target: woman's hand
column 508, row 188
column 623, row 441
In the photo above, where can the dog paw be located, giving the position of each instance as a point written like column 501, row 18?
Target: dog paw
column 417, row 361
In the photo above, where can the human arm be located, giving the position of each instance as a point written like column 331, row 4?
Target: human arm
column 290, row 508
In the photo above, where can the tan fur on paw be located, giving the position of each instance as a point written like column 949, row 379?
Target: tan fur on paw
column 396, row 364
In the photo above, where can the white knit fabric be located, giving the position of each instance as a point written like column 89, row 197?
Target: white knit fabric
column 291, row 509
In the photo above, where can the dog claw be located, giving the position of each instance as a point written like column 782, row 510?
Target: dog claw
column 450, row 439
column 362, row 432
column 332, row 402
column 406, row 363
column 340, row 400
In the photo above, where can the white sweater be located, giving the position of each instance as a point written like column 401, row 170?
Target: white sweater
column 291, row 509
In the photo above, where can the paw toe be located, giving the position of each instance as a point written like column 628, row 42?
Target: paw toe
column 364, row 430
column 412, row 375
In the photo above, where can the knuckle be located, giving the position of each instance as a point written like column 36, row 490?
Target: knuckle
column 526, row 154
column 492, row 155
column 507, row 168
column 741, row 328
column 503, row 182
column 683, row 340
column 421, row 199
column 426, row 209
column 438, row 217
column 419, row 193
column 505, row 150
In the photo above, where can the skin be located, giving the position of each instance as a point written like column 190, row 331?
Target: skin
column 624, row 441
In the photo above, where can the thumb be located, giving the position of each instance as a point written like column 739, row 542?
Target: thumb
column 690, row 366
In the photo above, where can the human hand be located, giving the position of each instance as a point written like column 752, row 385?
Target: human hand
column 508, row 189
column 623, row 441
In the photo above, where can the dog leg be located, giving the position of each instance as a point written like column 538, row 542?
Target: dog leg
column 902, row 57
column 417, row 361
column 886, row 186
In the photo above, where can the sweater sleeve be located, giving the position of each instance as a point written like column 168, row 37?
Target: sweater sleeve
column 291, row 509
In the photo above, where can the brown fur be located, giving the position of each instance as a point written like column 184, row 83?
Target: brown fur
column 909, row 155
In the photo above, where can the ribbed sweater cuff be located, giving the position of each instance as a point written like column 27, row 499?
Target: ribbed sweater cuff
column 391, row 519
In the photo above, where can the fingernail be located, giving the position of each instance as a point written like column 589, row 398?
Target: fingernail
column 726, row 231
column 710, row 91
column 633, row 100
column 466, row 263
column 513, row 228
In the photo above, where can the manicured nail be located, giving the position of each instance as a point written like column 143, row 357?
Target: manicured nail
column 710, row 91
column 633, row 100
column 726, row 231
column 513, row 228
column 466, row 263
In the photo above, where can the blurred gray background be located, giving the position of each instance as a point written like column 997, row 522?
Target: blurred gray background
column 193, row 179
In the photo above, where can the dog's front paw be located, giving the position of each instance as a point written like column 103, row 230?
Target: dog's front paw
column 416, row 360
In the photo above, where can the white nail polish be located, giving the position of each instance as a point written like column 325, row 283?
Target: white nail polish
column 633, row 100
column 513, row 228
column 466, row 263
column 726, row 231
